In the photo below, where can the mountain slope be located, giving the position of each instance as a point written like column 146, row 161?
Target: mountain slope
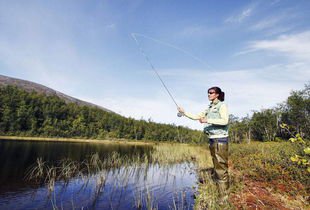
column 31, row 86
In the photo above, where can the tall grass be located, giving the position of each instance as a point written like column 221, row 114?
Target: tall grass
column 121, row 167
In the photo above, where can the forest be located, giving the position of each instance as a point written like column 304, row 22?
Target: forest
column 264, row 125
column 25, row 113
column 32, row 114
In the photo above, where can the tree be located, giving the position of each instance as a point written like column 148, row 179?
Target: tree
column 265, row 124
column 298, row 110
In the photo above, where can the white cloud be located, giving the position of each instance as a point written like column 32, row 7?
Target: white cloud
column 274, row 2
column 270, row 22
column 110, row 26
column 240, row 17
column 278, row 22
column 296, row 46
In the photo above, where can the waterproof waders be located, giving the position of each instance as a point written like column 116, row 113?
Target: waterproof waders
column 219, row 153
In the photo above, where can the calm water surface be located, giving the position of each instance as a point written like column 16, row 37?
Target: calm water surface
column 125, row 187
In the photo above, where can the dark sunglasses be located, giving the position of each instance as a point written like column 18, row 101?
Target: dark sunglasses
column 211, row 93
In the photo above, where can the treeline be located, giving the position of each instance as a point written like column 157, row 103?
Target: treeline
column 31, row 114
column 264, row 125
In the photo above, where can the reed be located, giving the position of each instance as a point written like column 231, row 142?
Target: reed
column 36, row 171
column 179, row 201
column 138, row 199
column 208, row 196
column 96, row 169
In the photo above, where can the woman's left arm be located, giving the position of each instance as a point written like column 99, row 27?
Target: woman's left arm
column 223, row 114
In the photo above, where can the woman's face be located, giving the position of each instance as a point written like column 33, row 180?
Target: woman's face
column 212, row 95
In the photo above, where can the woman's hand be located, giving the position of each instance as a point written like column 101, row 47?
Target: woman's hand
column 203, row 120
column 181, row 110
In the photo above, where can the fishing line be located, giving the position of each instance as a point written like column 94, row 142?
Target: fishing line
column 134, row 36
column 172, row 46
column 153, row 68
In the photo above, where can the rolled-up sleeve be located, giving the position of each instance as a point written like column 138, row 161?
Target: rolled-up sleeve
column 195, row 116
column 223, row 120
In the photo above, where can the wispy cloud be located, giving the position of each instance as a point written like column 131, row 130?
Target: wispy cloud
column 296, row 46
column 110, row 26
column 241, row 16
column 278, row 22
column 199, row 31
column 274, row 2
column 269, row 22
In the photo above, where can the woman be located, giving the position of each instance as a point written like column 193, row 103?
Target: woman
column 215, row 119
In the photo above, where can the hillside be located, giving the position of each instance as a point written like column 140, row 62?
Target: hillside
column 29, row 113
column 32, row 86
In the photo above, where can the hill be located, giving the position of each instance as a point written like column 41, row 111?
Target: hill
column 32, row 86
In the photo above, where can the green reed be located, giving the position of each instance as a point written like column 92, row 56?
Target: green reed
column 122, row 168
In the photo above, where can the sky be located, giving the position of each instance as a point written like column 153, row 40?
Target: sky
column 257, row 52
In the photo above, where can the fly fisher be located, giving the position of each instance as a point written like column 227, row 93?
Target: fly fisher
column 215, row 120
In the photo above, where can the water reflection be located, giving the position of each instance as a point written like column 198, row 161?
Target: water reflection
column 130, row 184
column 17, row 156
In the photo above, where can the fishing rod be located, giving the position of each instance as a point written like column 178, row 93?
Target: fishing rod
column 153, row 68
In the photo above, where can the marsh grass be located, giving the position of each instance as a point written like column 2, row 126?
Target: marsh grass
column 138, row 196
column 179, row 201
column 37, row 170
column 208, row 196
column 97, row 169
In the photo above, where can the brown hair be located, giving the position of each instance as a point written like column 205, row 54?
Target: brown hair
column 218, row 91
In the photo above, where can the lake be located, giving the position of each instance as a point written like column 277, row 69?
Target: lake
column 60, row 175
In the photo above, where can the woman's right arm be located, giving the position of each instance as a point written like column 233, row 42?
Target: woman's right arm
column 192, row 116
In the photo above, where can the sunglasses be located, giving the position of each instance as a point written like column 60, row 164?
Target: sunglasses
column 211, row 92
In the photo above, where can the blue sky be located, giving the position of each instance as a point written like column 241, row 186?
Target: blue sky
column 256, row 51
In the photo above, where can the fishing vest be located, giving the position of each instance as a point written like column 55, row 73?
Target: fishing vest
column 212, row 130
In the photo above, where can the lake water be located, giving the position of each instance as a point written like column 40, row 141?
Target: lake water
column 132, row 181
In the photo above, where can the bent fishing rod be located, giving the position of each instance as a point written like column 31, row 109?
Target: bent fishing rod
column 153, row 68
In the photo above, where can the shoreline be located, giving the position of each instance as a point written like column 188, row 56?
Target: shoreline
column 75, row 140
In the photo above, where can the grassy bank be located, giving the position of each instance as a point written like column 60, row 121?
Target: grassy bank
column 262, row 177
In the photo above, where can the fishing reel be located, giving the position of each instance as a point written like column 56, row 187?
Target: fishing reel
column 180, row 114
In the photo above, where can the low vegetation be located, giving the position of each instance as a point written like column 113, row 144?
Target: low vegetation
column 262, row 177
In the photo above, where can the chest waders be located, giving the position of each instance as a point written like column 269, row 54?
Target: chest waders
column 219, row 153
column 218, row 149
